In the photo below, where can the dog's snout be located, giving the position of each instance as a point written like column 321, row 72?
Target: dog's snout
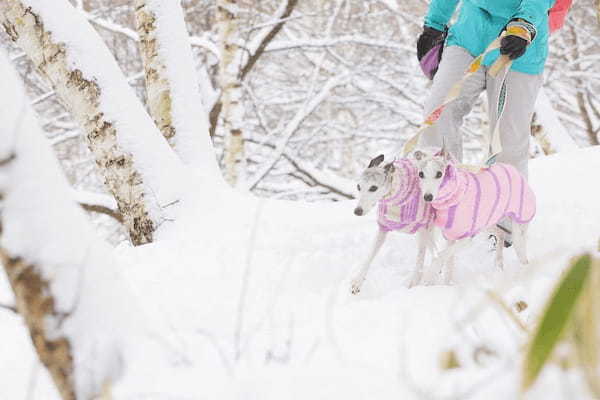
column 358, row 211
column 428, row 197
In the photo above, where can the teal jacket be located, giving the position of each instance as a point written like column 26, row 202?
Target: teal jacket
column 481, row 21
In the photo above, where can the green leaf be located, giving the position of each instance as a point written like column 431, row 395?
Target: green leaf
column 554, row 321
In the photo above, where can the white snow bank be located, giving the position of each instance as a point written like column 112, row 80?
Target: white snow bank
column 268, row 285
column 251, row 298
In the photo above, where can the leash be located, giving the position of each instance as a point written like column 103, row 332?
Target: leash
column 503, row 63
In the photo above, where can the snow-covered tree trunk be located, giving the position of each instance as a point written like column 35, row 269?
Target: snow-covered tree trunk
column 39, row 220
column 172, row 83
column 94, row 90
column 549, row 132
column 232, row 111
column 36, row 304
column 158, row 90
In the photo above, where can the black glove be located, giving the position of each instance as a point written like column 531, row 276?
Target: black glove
column 428, row 39
column 513, row 46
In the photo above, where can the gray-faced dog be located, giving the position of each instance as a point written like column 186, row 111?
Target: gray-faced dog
column 395, row 189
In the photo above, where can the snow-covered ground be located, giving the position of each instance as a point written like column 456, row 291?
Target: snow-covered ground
column 258, row 306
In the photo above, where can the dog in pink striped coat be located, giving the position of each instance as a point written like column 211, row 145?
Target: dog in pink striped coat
column 394, row 189
column 468, row 203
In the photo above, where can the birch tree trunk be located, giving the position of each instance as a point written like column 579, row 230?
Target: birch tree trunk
column 172, row 83
column 580, row 95
column 549, row 132
column 31, row 233
column 36, row 304
column 235, row 64
column 232, row 111
column 96, row 99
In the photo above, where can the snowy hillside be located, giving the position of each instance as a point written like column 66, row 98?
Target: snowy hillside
column 262, row 310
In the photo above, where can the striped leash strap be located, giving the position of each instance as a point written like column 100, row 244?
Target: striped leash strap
column 503, row 63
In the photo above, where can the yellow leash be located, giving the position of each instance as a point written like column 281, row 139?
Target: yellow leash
column 503, row 63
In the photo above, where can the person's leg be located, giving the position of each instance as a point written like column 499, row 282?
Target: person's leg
column 455, row 61
column 515, row 123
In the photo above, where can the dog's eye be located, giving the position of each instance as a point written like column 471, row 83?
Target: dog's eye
column 358, row 187
column 421, row 175
column 438, row 175
column 372, row 188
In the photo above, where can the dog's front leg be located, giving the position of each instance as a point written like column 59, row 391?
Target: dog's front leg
column 360, row 278
column 520, row 241
column 422, row 242
column 445, row 255
column 449, row 270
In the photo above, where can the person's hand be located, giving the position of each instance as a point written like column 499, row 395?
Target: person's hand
column 427, row 40
column 515, row 46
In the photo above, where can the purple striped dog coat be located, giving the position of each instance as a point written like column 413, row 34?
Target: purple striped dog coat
column 405, row 210
column 467, row 203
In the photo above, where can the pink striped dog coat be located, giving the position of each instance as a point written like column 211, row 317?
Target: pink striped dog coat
column 467, row 203
column 405, row 210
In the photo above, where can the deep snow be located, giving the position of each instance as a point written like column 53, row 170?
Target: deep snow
column 249, row 299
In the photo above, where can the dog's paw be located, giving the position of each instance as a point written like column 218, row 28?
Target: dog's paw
column 415, row 281
column 356, row 284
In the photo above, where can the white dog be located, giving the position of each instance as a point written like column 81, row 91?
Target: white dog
column 394, row 187
column 467, row 203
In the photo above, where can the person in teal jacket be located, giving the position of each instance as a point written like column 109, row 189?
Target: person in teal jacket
column 478, row 23
column 481, row 21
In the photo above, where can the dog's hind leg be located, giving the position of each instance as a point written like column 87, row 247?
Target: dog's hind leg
column 499, row 248
column 360, row 278
column 423, row 240
column 520, row 241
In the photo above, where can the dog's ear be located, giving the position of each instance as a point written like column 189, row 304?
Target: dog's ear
column 444, row 151
column 418, row 155
column 376, row 161
column 389, row 168
column 444, row 154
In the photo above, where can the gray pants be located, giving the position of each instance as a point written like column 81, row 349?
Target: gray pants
column 515, row 124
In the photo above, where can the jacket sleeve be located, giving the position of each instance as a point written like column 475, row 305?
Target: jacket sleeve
column 440, row 12
column 534, row 11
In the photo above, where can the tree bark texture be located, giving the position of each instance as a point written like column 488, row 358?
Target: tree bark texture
column 158, row 90
column 81, row 94
column 232, row 111
column 35, row 303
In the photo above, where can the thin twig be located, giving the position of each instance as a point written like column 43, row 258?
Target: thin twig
column 500, row 301
column 9, row 307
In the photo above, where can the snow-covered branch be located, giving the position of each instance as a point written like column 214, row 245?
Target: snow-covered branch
column 293, row 125
column 329, row 42
column 49, row 252
column 266, row 35
column 127, row 146
column 98, row 202
column 553, row 129
column 172, row 84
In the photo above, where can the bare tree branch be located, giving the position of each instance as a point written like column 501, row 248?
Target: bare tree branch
column 268, row 38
